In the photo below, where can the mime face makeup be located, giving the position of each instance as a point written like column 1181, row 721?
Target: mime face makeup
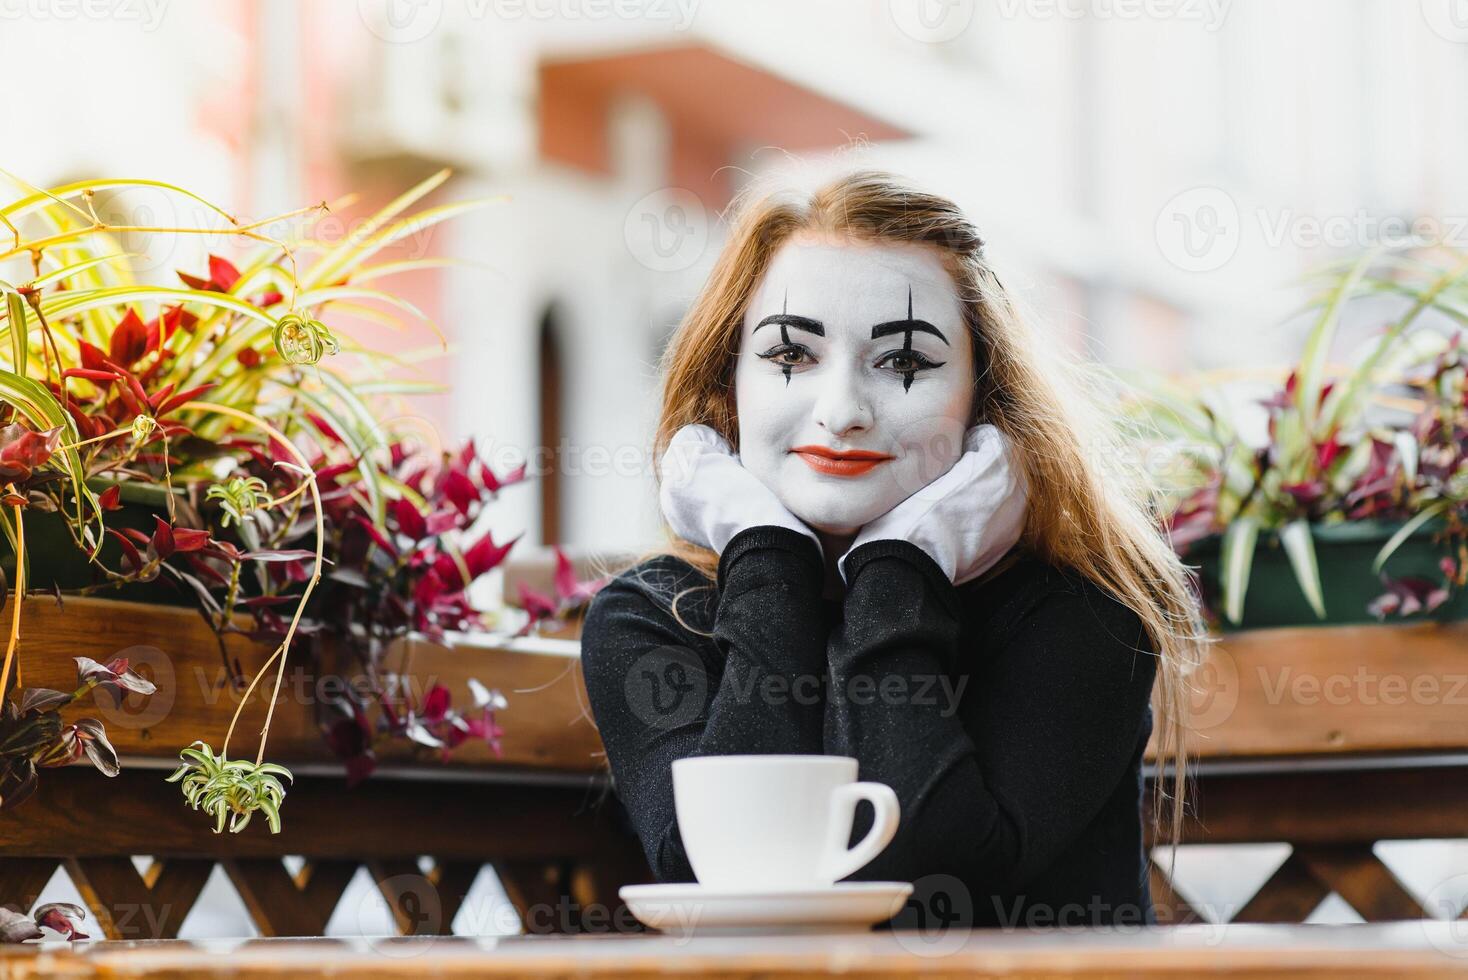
column 855, row 378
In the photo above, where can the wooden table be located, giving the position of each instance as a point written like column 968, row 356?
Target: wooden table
column 1372, row 950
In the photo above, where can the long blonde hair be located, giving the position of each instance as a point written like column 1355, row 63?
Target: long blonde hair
column 1089, row 510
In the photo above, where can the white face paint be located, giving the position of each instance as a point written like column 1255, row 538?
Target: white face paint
column 810, row 373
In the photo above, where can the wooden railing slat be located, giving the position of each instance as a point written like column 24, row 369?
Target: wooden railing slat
column 284, row 905
column 22, row 878
column 1356, row 874
column 128, row 905
column 1290, row 894
column 423, row 904
column 540, row 892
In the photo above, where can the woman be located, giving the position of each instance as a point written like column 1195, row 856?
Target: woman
column 845, row 584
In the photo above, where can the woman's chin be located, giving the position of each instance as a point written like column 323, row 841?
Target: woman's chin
column 835, row 530
column 830, row 505
column 837, row 517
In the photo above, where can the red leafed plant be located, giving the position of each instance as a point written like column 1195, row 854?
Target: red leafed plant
column 1385, row 441
column 275, row 488
column 571, row 595
column 410, row 572
column 33, row 734
column 60, row 916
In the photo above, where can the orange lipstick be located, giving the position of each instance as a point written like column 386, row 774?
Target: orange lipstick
column 850, row 462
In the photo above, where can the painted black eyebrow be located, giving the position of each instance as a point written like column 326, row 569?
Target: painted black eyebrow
column 908, row 325
column 793, row 320
column 902, row 326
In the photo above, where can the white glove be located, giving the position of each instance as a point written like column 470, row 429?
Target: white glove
column 966, row 519
column 707, row 496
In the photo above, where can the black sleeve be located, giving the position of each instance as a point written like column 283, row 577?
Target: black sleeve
column 660, row 692
column 1063, row 700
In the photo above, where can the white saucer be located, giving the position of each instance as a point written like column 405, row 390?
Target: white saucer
column 687, row 908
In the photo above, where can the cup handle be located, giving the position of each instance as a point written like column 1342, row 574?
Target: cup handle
column 840, row 861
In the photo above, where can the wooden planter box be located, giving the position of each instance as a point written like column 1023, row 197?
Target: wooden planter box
column 546, row 722
column 1315, row 690
column 1345, row 553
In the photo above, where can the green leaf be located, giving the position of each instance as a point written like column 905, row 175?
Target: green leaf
column 43, row 411
column 322, row 296
column 76, row 268
column 393, row 386
column 20, row 332
column 1238, row 559
column 10, row 536
column 339, row 258
column 1311, row 376
column 1349, row 398
column 1300, row 547
column 370, row 272
column 1405, row 532
column 53, row 196
column 1409, row 451
column 71, row 302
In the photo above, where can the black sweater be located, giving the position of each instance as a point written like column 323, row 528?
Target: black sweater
column 1009, row 714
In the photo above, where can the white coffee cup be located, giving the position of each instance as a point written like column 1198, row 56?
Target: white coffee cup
column 751, row 822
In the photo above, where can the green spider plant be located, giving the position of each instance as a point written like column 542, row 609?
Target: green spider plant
column 103, row 376
column 1340, row 446
column 230, row 789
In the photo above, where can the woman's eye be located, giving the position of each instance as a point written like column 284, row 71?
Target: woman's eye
column 786, row 355
column 908, row 361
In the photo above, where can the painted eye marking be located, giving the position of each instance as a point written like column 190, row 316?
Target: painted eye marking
column 775, row 353
column 785, row 320
column 920, row 361
column 907, row 327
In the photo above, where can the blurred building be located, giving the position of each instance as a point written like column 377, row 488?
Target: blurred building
column 1152, row 183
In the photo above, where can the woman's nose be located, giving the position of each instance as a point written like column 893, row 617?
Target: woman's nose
column 842, row 404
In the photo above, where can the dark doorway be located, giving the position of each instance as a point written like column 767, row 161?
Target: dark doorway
column 551, row 370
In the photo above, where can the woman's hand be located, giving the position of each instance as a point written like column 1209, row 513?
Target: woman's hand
column 707, row 496
column 966, row 519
